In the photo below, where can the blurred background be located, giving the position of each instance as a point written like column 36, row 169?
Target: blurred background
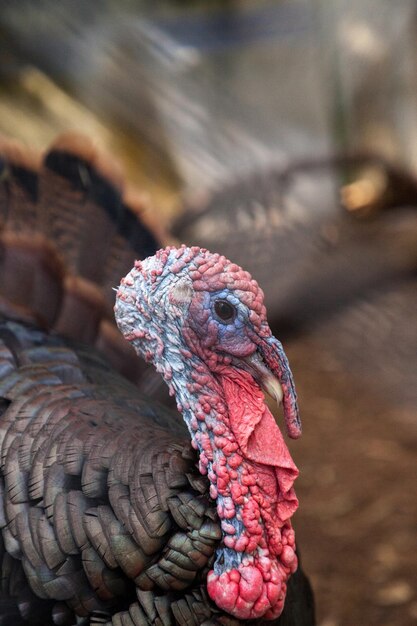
column 283, row 134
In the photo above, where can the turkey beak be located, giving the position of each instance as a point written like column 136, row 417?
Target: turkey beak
column 268, row 382
column 274, row 376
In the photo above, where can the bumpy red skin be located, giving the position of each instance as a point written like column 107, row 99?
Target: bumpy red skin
column 254, row 471
column 263, row 499
column 241, row 447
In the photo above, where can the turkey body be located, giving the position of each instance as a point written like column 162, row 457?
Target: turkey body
column 104, row 514
column 105, row 518
column 95, row 485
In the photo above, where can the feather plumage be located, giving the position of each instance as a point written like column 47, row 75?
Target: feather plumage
column 105, row 516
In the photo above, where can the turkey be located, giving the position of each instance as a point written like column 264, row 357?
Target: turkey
column 114, row 509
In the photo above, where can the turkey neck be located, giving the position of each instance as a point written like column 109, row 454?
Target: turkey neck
column 254, row 500
column 201, row 401
column 242, row 451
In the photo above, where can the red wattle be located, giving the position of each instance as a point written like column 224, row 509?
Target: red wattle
column 244, row 593
column 262, row 496
column 260, row 439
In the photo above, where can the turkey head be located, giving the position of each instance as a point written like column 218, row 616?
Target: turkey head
column 200, row 319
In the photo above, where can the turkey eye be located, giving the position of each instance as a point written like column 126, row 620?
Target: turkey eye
column 224, row 310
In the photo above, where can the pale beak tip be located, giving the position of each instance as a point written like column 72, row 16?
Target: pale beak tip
column 273, row 387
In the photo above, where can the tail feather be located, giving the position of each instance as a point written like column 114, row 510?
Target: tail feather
column 82, row 310
column 129, row 242
column 31, row 275
column 69, row 230
column 98, row 231
column 75, row 197
column 18, row 186
column 81, row 200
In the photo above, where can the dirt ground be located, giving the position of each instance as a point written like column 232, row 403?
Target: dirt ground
column 356, row 525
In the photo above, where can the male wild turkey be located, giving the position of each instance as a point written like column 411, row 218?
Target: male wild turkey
column 107, row 514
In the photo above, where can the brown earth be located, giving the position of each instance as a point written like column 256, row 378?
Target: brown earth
column 356, row 525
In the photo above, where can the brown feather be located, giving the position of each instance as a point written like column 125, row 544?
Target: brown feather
column 103, row 513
